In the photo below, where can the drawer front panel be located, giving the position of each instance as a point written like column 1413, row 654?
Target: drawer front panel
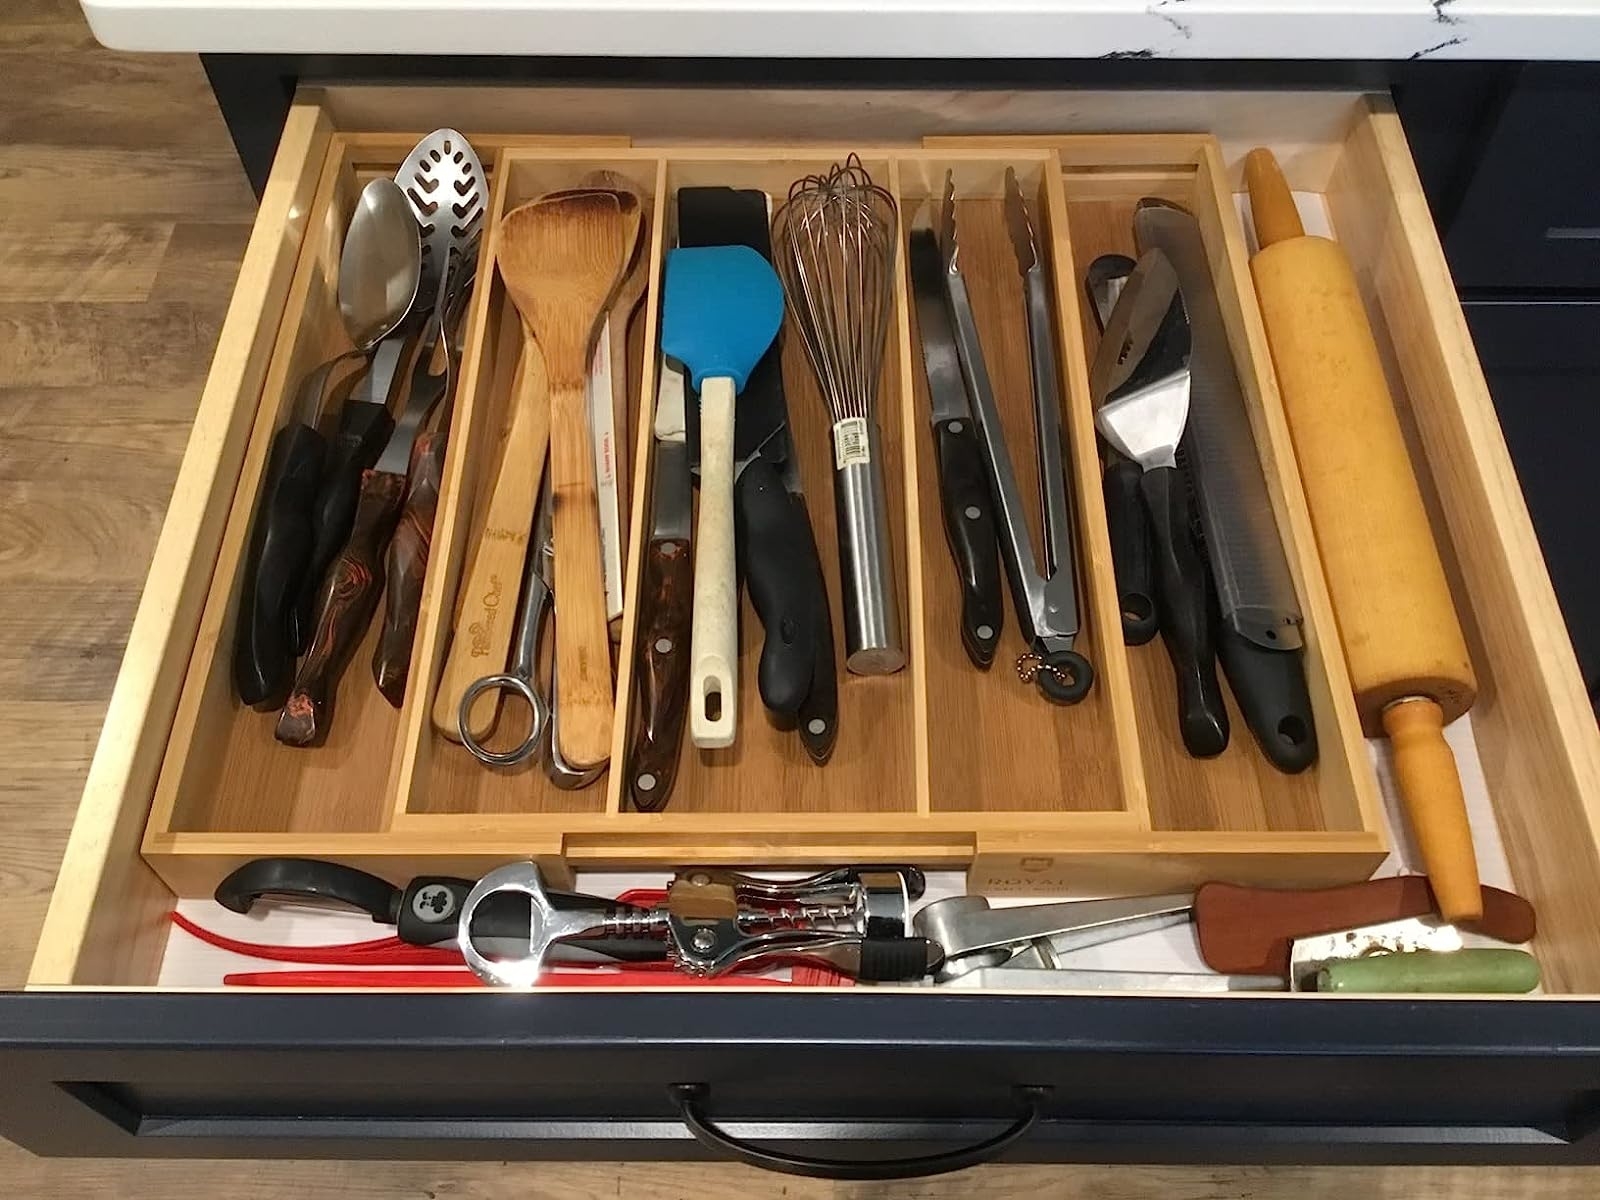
column 859, row 1076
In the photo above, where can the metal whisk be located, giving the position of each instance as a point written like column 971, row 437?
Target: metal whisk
column 834, row 240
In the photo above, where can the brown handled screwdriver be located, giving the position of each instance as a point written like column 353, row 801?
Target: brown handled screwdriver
column 1402, row 641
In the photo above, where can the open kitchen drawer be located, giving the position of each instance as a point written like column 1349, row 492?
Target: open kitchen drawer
column 101, row 1061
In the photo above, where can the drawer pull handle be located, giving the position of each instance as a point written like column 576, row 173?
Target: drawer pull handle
column 690, row 1099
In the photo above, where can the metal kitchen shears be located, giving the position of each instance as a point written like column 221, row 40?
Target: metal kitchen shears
column 536, row 611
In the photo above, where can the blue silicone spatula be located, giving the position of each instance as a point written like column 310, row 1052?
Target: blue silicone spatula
column 722, row 308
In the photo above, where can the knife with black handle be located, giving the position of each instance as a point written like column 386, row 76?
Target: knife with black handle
column 966, row 499
column 1182, row 602
column 773, row 536
column 1126, row 522
column 280, row 547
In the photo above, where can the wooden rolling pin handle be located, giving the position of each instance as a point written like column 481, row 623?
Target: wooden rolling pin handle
column 1430, row 788
column 1271, row 203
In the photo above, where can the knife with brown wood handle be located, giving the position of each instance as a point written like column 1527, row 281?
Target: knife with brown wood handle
column 663, row 637
column 347, row 604
column 406, row 565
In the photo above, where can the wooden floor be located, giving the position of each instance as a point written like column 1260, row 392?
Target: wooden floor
column 123, row 214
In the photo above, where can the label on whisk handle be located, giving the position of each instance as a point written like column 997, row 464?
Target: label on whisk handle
column 850, row 444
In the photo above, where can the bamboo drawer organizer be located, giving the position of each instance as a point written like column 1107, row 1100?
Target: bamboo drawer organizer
column 940, row 764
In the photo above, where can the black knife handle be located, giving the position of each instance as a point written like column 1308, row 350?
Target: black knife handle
column 275, row 567
column 363, row 432
column 772, row 539
column 1131, row 559
column 1270, row 686
column 969, row 529
column 1184, row 610
column 819, row 715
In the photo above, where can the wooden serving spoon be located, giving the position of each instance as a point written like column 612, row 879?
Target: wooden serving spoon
column 562, row 259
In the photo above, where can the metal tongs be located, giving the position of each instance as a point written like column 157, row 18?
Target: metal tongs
column 852, row 920
column 1046, row 601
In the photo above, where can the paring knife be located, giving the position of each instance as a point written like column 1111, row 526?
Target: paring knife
column 964, row 490
column 666, row 595
column 1259, row 637
column 1132, row 558
column 796, row 677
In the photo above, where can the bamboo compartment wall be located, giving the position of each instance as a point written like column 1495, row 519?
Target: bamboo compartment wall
column 940, row 765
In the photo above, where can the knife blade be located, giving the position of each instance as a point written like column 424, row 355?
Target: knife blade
column 1254, row 589
column 662, row 669
column 965, row 496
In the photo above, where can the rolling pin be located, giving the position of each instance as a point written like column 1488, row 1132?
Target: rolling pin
column 1402, row 641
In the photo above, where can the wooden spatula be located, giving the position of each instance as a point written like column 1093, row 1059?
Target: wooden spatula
column 562, row 258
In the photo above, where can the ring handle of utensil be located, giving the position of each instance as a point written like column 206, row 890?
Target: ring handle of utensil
column 529, row 746
column 690, row 1099
column 1064, row 677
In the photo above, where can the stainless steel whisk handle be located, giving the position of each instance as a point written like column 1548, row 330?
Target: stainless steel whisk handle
column 872, row 638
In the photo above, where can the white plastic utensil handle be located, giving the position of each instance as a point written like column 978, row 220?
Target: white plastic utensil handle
column 603, row 437
column 714, row 632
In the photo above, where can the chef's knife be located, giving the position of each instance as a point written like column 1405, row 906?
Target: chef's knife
column 1259, row 638
column 1132, row 559
column 964, row 492
column 777, row 551
column 668, row 587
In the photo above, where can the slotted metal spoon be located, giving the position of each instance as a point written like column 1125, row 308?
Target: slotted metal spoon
column 444, row 180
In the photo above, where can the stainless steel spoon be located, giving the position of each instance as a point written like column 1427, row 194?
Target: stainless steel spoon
column 379, row 276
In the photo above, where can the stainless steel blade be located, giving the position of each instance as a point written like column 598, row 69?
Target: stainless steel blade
column 947, row 391
column 1073, row 980
column 1254, row 587
column 671, row 497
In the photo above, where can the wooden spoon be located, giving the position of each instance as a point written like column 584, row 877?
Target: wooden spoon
column 562, row 259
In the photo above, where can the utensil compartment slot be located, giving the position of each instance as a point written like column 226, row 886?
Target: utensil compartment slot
column 767, row 770
column 995, row 743
column 224, row 771
column 440, row 776
column 1238, row 790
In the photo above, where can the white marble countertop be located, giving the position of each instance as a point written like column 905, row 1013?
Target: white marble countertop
column 1067, row 29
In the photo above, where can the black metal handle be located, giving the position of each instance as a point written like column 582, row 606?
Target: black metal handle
column 275, row 568
column 364, row 430
column 1270, row 686
column 968, row 505
column 1131, row 557
column 690, row 1097
column 1184, row 613
column 783, row 588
